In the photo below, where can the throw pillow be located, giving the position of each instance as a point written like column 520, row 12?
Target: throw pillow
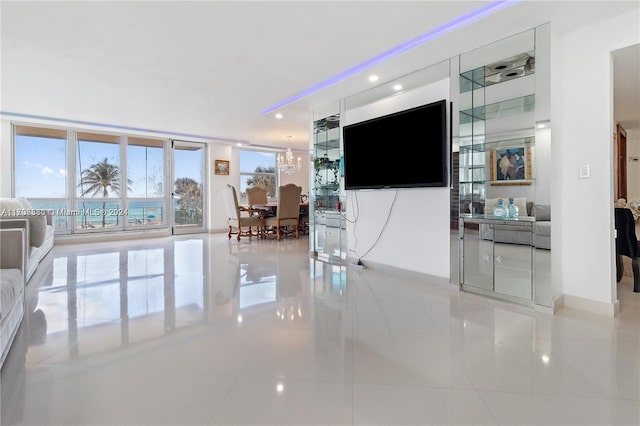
column 543, row 212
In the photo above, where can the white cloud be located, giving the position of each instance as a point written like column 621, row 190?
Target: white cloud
column 32, row 164
column 62, row 172
column 46, row 170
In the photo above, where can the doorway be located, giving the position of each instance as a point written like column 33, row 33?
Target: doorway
column 621, row 162
column 626, row 145
column 188, row 193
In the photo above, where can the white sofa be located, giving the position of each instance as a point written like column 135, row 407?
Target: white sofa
column 38, row 226
column 13, row 252
column 517, row 234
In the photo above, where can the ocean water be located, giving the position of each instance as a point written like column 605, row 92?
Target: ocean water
column 90, row 213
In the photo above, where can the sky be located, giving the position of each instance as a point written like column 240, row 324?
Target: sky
column 41, row 165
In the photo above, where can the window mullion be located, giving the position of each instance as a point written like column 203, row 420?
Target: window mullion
column 72, row 175
column 123, row 179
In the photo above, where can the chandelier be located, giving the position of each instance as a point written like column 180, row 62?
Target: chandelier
column 286, row 163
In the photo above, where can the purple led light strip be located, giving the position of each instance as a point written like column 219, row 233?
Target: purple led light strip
column 435, row 33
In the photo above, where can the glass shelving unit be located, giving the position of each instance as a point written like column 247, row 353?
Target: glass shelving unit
column 481, row 147
column 327, row 194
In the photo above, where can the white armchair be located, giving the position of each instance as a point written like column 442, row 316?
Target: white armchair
column 13, row 255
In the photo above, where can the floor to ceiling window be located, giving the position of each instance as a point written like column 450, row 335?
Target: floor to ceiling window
column 98, row 182
column 41, row 169
column 189, row 172
column 146, row 194
column 93, row 182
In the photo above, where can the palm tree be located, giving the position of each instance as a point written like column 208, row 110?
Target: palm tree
column 189, row 192
column 100, row 178
column 265, row 181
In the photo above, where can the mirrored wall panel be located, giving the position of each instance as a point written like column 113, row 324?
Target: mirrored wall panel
column 503, row 207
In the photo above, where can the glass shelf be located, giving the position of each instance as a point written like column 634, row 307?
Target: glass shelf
column 507, row 143
column 328, row 144
column 499, row 109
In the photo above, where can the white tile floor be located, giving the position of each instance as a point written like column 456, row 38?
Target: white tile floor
column 200, row 330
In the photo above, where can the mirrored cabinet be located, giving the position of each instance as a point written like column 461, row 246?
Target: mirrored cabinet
column 506, row 257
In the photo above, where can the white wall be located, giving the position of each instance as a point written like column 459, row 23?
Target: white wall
column 217, row 217
column 417, row 236
column 582, row 126
column 6, row 156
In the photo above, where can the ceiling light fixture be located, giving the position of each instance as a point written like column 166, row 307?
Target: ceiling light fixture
column 286, row 163
column 279, row 116
column 452, row 25
column 373, row 77
column 397, row 87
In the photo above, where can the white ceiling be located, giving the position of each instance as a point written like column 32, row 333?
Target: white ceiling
column 210, row 68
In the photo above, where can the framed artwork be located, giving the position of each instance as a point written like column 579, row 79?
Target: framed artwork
column 511, row 166
column 221, row 167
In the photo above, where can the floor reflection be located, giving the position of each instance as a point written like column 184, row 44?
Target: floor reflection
column 202, row 330
column 117, row 296
column 96, row 299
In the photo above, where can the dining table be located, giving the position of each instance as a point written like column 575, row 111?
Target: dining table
column 271, row 208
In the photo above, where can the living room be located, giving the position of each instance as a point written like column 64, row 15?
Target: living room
column 154, row 99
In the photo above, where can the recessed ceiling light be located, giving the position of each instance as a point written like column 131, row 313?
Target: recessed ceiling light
column 373, row 77
column 397, row 87
column 278, row 116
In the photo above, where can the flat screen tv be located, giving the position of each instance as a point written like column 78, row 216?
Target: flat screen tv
column 406, row 149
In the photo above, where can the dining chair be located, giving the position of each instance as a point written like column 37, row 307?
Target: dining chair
column 257, row 195
column 627, row 245
column 243, row 223
column 287, row 212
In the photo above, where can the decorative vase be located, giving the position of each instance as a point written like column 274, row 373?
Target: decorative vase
column 500, row 211
column 514, row 211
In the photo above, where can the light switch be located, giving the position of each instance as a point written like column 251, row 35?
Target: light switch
column 584, row 171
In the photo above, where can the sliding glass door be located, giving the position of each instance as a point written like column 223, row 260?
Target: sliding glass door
column 189, row 172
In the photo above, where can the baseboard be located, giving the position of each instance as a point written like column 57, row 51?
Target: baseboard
column 100, row 237
column 544, row 309
column 406, row 273
column 218, row 230
column 558, row 304
column 588, row 305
